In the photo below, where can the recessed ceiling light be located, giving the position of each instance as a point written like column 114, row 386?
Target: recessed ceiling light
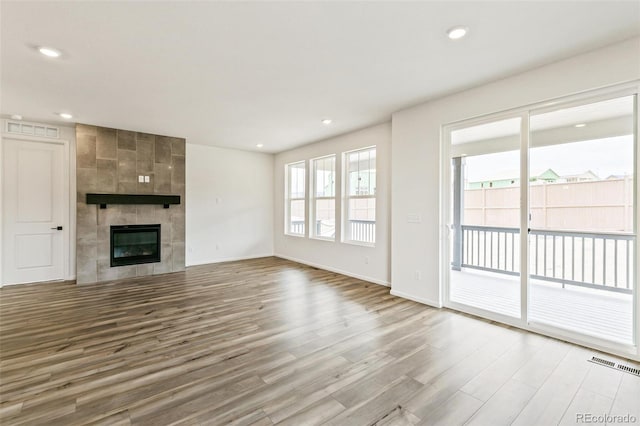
column 49, row 51
column 327, row 121
column 456, row 33
column 259, row 145
column 65, row 115
column 580, row 125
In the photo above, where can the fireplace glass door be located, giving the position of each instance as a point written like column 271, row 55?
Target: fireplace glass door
column 135, row 244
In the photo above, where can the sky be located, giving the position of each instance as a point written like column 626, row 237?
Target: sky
column 604, row 157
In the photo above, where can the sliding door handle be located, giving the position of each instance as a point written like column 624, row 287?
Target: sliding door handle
column 57, row 228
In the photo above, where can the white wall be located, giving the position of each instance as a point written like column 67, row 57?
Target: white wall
column 229, row 203
column 340, row 257
column 416, row 151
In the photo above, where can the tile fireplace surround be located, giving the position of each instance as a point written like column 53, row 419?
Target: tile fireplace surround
column 110, row 161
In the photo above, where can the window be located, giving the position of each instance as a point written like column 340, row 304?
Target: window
column 360, row 196
column 296, row 186
column 323, row 205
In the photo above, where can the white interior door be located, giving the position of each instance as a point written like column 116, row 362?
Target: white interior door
column 34, row 200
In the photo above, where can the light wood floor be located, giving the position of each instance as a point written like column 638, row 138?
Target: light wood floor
column 269, row 341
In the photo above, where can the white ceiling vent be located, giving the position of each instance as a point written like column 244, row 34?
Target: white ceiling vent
column 32, row 129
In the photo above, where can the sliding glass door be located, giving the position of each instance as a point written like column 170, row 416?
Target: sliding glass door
column 541, row 213
column 485, row 264
column 582, row 237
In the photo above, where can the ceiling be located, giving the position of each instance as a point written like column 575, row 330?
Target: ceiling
column 237, row 74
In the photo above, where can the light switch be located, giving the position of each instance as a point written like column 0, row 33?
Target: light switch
column 146, row 179
column 414, row 218
column 141, row 179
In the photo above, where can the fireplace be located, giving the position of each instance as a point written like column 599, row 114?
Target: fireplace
column 135, row 244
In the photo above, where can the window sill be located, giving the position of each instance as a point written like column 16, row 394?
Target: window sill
column 287, row 234
column 330, row 240
column 359, row 243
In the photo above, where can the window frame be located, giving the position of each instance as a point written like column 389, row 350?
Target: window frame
column 346, row 198
column 313, row 197
column 289, row 199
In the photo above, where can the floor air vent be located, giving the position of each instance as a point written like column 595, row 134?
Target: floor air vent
column 604, row 362
column 630, row 370
column 611, row 364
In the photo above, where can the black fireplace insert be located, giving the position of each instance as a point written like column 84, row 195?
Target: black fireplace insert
column 135, row 244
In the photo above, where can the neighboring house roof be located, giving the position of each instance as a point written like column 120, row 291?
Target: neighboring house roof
column 610, row 177
column 548, row 174
column 588, row 175
column 514, row 174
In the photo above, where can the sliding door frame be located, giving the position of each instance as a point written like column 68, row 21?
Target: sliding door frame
column 614, row 94
column 628, row 89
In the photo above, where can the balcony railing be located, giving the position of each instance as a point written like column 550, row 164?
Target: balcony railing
column 362, row 230
column 586, row 259
column 359, row 230
column 297, row 227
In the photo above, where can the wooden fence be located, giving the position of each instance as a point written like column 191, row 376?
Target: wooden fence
column 605, row 205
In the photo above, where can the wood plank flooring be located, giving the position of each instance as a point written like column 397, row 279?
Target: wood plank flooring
column 269, row 341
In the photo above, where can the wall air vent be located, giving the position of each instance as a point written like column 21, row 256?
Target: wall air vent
column 32, row 129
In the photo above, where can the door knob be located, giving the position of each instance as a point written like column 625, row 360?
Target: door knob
column 58, row 228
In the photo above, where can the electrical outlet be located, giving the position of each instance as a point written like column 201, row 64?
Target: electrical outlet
column 146, row 179
column 418, row 275
column 141, row 179
column 366, row 260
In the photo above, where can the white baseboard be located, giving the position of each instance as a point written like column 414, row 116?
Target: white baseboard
column 229, row 259
column 337, row 271
column 416, row 299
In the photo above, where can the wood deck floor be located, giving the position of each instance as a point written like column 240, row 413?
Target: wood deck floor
column 269, row 341
column 597, row 313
